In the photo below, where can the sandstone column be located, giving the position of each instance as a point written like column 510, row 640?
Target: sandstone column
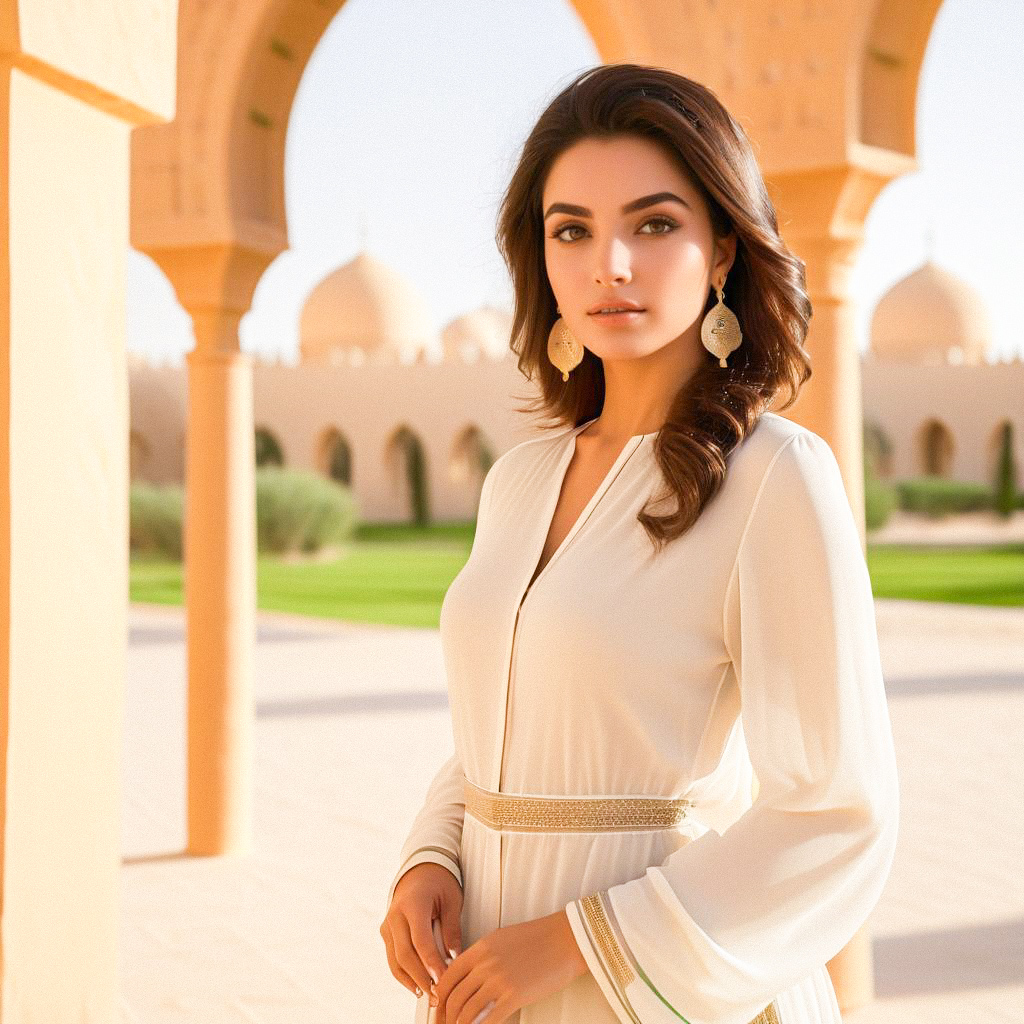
column 220, row 587
column 215, row 284
column 71, row 90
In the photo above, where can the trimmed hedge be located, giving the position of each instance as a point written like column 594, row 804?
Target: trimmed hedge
column 155, row 515
column 935, row 496
column 295, row 511
column 301, row 511
column 880, row 499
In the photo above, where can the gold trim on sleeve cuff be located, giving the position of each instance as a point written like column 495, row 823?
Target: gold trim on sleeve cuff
column 610, row 947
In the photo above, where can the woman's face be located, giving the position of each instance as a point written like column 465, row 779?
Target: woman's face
column 607, row 241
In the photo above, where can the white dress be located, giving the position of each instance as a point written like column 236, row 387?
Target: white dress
column 746, row 648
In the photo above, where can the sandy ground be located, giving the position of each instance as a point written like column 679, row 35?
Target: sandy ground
column 351, row 723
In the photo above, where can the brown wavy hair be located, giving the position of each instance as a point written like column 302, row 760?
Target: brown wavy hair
column 766, row 287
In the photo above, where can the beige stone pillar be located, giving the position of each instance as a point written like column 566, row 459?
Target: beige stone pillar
column 822, row 216
column 220, row 588
column 71, row 90
column 215, row 284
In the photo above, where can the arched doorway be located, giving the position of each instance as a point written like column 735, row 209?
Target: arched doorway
column 334, row 456
column 268, row 448
column 936, row 448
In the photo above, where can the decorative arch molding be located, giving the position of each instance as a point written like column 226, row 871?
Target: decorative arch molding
column 890, row 57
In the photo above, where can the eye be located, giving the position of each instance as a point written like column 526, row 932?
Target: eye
column 558, row 232
column 667, row 222
column 670, row 224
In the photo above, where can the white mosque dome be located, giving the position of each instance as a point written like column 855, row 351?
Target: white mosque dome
column 931, row 317
column 482, row 333
column 366, row 309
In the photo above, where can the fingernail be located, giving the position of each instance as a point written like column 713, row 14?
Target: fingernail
column 432, row 973
column 433, row 999
column 452, row 953
column 419, row 991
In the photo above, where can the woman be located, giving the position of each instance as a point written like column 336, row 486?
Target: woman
column 618, row 676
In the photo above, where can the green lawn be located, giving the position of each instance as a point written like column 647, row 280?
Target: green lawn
column 991, row 575
column 397, row 575
column 394, row 575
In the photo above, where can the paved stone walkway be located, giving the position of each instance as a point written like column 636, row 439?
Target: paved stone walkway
column 351, row 723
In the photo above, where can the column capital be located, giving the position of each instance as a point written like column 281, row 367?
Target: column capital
column 214, row 277
column 821, row 213
column 216, row 333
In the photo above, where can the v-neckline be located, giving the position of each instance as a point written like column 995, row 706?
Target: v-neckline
column 562, row 470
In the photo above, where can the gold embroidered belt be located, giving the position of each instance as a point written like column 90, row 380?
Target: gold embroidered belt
column 513, row 812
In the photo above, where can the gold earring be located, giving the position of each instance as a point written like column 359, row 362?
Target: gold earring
column 564, row 349
column 720, row 332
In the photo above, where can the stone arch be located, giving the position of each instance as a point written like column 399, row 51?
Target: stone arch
column 269, row 451
column 405, row 459
column 471, row 457
column 935, row 448
column 221, row 160
column 891, row 54
column 334, row 456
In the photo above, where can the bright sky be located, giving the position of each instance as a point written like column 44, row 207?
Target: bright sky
column 406, row 127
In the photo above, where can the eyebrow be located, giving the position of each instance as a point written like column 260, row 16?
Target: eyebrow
column 636, row 204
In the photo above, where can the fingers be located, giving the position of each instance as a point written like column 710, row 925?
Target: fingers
column 421, row 934
column 453, row 1006
column 396, row 968
column 478, row 1009
column 451, row 934
column 406, row 955
column 456, row 977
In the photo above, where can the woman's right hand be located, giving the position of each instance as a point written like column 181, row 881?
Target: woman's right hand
column 424, row 892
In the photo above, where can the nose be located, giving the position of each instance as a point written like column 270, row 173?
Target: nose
column 613, row 264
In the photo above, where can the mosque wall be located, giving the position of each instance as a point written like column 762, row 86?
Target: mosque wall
column 450, row 406
column 157, row 422
column 445, row 405
column 970, row 402
column 454, row 409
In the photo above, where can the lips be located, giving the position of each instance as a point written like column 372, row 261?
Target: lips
column 616, row 307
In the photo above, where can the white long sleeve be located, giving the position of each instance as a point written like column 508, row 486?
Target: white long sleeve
column 729, row 920
column 436, row 833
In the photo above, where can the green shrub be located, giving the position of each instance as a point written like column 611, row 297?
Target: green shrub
column 880, row 499
column 1006, row 496
column 297, row 510
column 935, row 496
column 155, row 517
column 878, row 446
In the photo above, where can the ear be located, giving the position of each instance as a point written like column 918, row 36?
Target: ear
column 724, row 256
